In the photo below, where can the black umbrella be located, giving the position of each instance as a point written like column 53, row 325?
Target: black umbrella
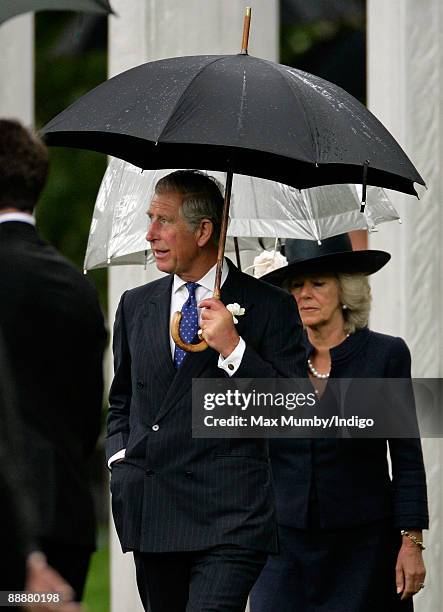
column 11, row 8
column 235, row 113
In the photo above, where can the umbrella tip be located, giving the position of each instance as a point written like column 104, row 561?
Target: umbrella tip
column 246, row 27
column 85, row 271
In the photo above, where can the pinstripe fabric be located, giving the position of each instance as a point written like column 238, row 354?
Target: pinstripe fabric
column 219, row 579
column 173, row 493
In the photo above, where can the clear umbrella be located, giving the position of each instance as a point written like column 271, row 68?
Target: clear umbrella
column 259, row 209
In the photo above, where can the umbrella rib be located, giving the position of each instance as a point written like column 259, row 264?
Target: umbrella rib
column 300, row 101
column 216, row 59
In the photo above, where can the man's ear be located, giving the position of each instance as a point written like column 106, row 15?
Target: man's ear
column 204, row 232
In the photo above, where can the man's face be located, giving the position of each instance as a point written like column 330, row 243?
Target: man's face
column 173, row 244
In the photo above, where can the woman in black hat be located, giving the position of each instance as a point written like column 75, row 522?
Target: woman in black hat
column 350, row 537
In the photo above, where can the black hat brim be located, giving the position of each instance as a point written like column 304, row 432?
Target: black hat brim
column 352, row 262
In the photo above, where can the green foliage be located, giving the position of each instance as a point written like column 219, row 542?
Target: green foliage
column 298, row 40
column 96, row 596
column 331, row 49
column 65, row 209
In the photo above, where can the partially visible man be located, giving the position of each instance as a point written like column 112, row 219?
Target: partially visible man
column 55, row 336
column 197, row 513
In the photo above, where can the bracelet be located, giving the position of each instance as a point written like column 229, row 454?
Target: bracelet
column 413, row 538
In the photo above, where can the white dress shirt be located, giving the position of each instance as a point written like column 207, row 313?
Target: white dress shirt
column 179, row 295
column 17, row 216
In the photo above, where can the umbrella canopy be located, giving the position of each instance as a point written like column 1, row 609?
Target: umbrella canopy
column 236, row 113
column 259, row 208
column 11, row 8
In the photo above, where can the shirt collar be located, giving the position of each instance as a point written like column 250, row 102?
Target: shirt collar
column 17, row 216
column 207, row 281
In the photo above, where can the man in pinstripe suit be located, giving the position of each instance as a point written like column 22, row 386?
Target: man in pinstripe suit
column 198, row 514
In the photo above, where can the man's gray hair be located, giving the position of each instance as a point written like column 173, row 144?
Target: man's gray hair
column 202, row 197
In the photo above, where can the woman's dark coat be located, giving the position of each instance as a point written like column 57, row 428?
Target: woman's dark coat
column 350, row 477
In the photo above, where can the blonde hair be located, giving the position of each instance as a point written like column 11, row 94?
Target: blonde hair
column 355, row 294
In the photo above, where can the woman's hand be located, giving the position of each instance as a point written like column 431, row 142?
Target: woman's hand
column 410, row 569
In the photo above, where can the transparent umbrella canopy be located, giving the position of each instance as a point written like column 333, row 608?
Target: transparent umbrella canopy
column 259, row 209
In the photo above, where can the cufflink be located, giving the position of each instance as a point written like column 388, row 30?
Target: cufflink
column 230, row 366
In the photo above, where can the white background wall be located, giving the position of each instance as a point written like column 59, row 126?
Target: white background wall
column 405, row 79
column 17, row 69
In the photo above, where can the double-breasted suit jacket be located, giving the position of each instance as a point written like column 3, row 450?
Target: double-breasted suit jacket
column 173, row 492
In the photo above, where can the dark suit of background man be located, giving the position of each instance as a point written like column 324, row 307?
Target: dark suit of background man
column 22, row 567
column 54, row 333
column 198, row 513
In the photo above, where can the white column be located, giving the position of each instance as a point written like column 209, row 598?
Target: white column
column 147, row 30
column 405, row 76
column 17, row 69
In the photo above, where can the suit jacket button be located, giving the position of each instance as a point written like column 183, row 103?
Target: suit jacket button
column 149, row 472
column 140, row 385
column 189, row 474
column 231, row 366
column 155, row 427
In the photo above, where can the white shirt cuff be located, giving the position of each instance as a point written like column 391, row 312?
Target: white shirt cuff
column 119, row 455
column 231, row 363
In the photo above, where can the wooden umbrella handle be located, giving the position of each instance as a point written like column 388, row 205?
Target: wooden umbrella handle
column 185, row 346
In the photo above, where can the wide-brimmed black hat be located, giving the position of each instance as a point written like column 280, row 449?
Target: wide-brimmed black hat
column 333, row 255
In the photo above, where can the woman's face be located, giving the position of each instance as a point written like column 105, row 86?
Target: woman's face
column 318, row 300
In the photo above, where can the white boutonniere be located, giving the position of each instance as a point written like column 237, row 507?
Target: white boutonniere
column 236, row 311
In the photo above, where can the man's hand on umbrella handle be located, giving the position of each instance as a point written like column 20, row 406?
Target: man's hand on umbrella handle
column 218, row 327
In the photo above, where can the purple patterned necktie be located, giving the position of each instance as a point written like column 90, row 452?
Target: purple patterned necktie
column 188, row 323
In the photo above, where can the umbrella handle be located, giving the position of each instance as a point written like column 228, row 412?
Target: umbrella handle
column 185, row 346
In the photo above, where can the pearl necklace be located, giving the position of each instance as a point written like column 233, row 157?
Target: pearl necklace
column 315, row 372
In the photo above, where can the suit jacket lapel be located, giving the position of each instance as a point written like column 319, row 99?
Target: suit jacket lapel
column 195, row 363
column 156, row 332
